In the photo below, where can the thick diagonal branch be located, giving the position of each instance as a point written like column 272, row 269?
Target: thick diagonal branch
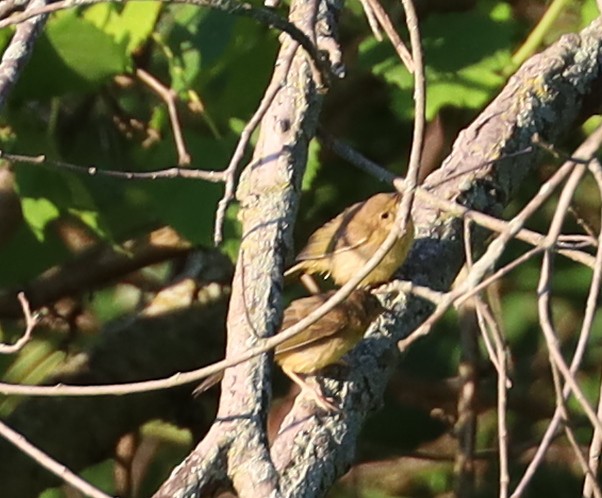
column 19, row 49
column 267, row 193
column 548, row 96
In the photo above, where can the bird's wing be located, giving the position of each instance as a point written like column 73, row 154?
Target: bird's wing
column 329, row 325
column 325, row 243
column 311, row 257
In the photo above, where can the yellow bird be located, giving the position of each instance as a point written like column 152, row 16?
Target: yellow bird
column 321, row 344
column 327, row 340
column 345, row 243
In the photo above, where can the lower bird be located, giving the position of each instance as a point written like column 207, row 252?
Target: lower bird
column 321, row 344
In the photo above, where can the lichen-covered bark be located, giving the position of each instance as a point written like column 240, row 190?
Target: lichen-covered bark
column 268, row 194
column 547, row 96
column 19, row 49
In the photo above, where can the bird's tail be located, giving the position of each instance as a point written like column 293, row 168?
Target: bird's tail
column 208, row 383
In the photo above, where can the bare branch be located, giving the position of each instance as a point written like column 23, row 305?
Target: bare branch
column 245, row 137
column 544, row 293
column 175, row 172
column 9, row 5
column 590, row 311
column 590, row 484
column 465, row 428
column 173, row 331
column 268, row 196
column 20, row 47
column 505, row 127
column 375, row 12
column 485, row 220
column 419, row 110
column 591, row 487
column 95, row 267
column 49, row 463
column 262, row 15
column 30, row 322
column 491, row 255
column 169, row 97
column 502, row 387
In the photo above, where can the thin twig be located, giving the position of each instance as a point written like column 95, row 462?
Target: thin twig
column 489, row 327
column 169, row 97
column 229, row 174
column 482, row 219
column 384, row 20
column 564, row 414
column 9, row 5
column 174, row 172
column 412, row 176
column 580, row 350
column 570, row 435
column 30, row 323
column 262, row 15
column 49, row 463
column 502, row 386
column 489, row 222
column 544, row 294
column 465, row 428
column 567, row 244
column 473, row 296
column 503, row 271
column 372, row 20
column 590, row 486
column 408, row 287
column 182, row 378
column 490, row 256
column 495, row 249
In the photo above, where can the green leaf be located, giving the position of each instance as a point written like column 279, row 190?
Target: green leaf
column 66, row 193
column 85, row 50
column 313, row 166
column 187, row 205
column 237, row 125
column 92, row 219
column 38, row 213
column 589, row 12
column 73, row 56
column 5, row 36
column 215, row 53
column 470, row 78
column 131, row 27
column 197, row 38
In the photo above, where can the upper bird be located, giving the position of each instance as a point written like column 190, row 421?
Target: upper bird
column 345, row 243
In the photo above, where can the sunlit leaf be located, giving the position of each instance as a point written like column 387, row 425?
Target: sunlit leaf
column 38, row 213
column 72, row 56
column 468, row 79
column 132, row 26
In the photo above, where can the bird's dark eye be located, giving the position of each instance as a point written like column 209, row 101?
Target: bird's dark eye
column 384, row 216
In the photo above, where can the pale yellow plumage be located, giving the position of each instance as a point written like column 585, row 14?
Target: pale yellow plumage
column 327, row 340
column 345, row 243
column 324, row 342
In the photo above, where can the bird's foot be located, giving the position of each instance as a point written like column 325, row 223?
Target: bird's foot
column 326, row 403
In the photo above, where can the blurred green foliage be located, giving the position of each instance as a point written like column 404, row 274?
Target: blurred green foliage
column 79, row 100
column 481, row 41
